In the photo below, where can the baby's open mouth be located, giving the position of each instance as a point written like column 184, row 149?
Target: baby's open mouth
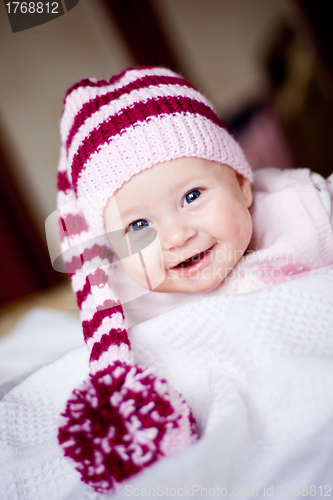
column 193, row 260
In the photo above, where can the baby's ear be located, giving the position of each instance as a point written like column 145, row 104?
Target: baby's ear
column 246, row 189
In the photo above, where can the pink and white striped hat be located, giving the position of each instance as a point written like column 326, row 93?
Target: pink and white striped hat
column 123, row 419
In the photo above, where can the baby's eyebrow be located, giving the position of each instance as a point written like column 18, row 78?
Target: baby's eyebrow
column 129, row 212
column 126, row 212
column 132, row 212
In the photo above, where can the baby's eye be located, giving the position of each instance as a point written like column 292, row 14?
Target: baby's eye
column 191, row 196
column 138, row 225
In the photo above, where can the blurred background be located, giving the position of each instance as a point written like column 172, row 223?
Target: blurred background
column 265, row 64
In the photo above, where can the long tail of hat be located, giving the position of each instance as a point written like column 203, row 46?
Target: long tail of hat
column 123, row 418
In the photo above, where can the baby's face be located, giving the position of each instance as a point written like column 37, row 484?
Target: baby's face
column 199, row 209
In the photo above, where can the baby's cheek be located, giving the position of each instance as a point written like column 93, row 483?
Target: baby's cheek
column 153, row 260
column 135, row 270
column 247, row 229
column 146, row 268
column 237, row 227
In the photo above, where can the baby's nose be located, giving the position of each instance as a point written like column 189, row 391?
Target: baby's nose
column 177, row 235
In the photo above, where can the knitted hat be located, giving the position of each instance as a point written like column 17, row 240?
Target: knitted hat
column 123, row 418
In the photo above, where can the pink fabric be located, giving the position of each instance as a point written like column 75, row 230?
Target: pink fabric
column 76, row 263
column 89, row 327
column 98, row 101
column 112, row 130
column 98, row 278
column 102, row 442
column 140, row 112
column 292, row 231
column 71, row 225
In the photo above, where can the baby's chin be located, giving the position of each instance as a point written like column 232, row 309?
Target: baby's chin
column 188, row 286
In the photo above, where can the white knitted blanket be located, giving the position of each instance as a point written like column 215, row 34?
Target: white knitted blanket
column 257, row 370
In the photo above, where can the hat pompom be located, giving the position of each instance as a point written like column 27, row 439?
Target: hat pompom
column 122, row 420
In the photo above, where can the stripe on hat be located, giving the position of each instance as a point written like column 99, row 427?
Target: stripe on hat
column 92, row 88
column 63, row 182
column 91, row 82
column 128, row 117
column 71, row 225
column 114, row 337
column 94, row 105
column 94, row 279
column 77, row 262
column 125, row 102
column 116, row 321
column 115, row 353
column 90, row 327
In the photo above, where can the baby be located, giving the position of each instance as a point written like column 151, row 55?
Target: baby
column 148, row 172
column 199, row 209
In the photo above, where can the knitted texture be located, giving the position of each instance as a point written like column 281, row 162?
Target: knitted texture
column 259, row 383
column 112, row 130
column 124, row 418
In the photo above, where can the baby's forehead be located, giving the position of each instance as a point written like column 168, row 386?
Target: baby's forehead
column 177, row 172
column 166, row 179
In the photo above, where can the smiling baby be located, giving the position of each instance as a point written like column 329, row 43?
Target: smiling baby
column 149, row 175
column 199, row 209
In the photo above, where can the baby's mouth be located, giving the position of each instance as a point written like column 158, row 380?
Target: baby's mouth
column 193, row 260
